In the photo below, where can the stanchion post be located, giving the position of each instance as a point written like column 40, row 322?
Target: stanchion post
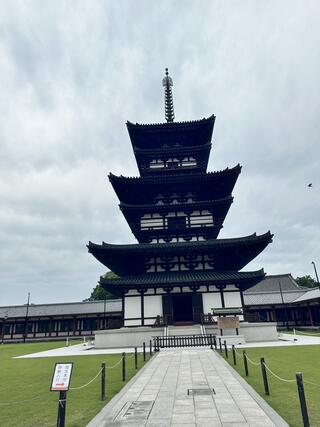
column 245, row 363
column 234, row 355
column 144, row 351
column 264, row 377
column 62, row 409
column 150, row 348
column 302, row 398
column 225, row 348
column 123, row 366
column 220, row 345
column 136, row 358
column 215, row 343
column 103, row 381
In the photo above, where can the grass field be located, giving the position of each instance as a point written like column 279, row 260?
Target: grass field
column 285, row 362
column 25, row 379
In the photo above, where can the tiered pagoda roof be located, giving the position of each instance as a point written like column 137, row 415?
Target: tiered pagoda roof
column 244, row 279
column 175, row 209
column 206, row 186
column 224, row 254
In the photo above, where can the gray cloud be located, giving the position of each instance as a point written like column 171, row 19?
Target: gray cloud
column 72, row 74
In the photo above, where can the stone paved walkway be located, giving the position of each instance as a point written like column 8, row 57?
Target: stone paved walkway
column 160, row 398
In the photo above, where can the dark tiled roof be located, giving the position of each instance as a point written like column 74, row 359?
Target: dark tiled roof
column 267, row 291
column 169, row 126
column 227, row 254
column 175, row 178
column 269, row 298
column 180, row 278
column 64, row 309
column 271, row 284
column 189, row 246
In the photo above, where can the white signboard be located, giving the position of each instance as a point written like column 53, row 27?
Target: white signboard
column 61, row 377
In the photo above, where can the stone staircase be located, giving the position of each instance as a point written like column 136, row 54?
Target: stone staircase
column 184, row 330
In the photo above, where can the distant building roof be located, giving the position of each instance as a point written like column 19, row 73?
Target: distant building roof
column 63, row 309
column 309, row 295
column 267, row 291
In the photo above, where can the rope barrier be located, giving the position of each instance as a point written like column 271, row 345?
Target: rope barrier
column 239, row 354
column 130, row 357
column 116, row 364
column 277, row 376
column 85, row 385
column 252, row 362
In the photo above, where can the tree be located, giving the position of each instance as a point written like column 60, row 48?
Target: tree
column 99, row 293
column 306, row 281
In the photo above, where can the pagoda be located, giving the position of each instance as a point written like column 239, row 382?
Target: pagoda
column 179, row 269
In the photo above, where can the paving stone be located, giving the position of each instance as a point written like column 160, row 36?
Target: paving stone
column 165, row 381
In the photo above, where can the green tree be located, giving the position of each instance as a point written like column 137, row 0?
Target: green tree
column 99, row 293
column 306, row 281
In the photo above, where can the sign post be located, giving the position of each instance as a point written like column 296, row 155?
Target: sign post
column 60, row 382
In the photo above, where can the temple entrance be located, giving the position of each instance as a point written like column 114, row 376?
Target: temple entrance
column 182, row 308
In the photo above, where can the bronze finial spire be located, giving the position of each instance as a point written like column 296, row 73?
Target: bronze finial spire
column 168, row 98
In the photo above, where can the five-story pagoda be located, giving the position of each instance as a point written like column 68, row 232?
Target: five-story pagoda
column 179, row 270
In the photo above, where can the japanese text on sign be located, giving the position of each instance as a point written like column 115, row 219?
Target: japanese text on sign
column 61, row 377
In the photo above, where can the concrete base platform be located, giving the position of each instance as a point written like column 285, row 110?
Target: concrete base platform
column 189, row 387
column 126, row 337
column 251, row 332
column 134, row 337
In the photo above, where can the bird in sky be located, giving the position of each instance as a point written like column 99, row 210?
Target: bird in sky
column 310, row 185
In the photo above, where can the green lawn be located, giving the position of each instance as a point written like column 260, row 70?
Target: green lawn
column 285, row 362
column 24, row 379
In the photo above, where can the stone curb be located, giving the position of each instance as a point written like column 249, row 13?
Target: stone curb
column 272, row 414
column 100, row 418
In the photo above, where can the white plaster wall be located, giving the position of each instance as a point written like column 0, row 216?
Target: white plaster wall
column 232, row 299
column 132, row 322
column 152, row 306
column 132, row 307
column 211, row 300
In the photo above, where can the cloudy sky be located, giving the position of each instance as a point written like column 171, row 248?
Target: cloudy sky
column 73, row 72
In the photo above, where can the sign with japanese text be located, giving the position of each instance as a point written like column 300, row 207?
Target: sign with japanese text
column 228, row 322
column 61, row 377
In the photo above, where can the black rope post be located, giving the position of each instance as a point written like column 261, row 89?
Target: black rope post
column 220, row 345
column 225, row 348
column 123, row 366
column 302, row 398
column 158, row 347
column 234, row 355
column 264, row 377
column 215, row 343
column 62, row 409
column 144, row 351
column 150, row 348
column 136, row 358
column 103, row 381
column 245, row 363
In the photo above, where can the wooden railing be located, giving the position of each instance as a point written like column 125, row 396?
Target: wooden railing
column 184, row 341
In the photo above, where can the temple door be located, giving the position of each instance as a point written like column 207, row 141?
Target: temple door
column 197, row 307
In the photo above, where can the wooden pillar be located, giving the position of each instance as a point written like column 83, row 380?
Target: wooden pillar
column 50, row 326
column 274, row 314
column 142, row 308
column 222, row 296
column 310, row 315
column 74, row 326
